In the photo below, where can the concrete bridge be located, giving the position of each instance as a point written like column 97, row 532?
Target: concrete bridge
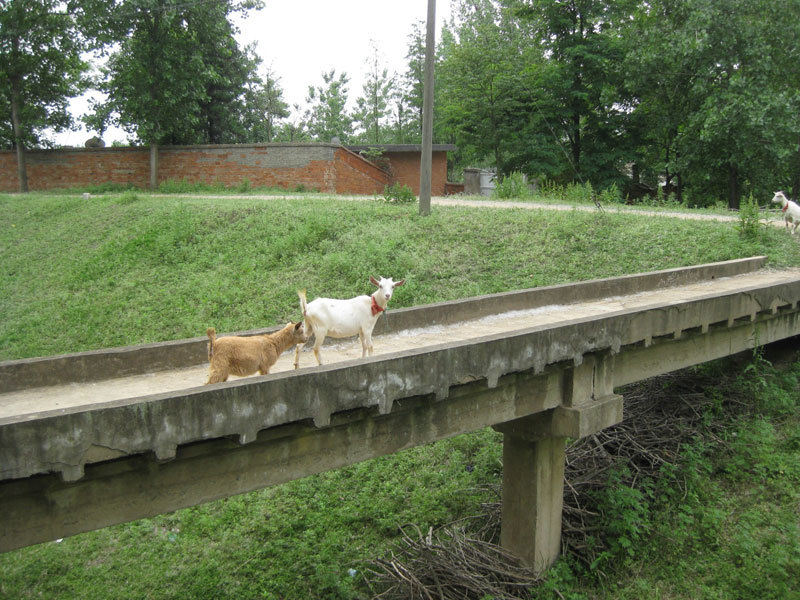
column 97, row 438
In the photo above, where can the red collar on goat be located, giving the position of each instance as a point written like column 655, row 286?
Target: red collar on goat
column 785, row 206
column 375, row 307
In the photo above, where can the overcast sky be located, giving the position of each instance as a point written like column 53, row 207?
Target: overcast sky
column 300, row 39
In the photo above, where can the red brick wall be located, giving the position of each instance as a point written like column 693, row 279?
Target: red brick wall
column 52, row 169
column 405, row 169
column 324, row 167
column 357, row 175
column 274, row 165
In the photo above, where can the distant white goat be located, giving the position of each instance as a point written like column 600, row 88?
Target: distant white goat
column 791, row 212
column 344, row 318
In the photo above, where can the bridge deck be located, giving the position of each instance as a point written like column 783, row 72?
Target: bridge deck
column 73, row 395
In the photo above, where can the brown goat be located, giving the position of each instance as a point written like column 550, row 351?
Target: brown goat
column 238, row 355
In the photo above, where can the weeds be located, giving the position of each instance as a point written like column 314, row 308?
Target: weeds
column 398, row 193
column 128, row 197
column 513, row 185
column 750, row 225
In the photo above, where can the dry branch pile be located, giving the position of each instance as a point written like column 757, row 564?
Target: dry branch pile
column 661, row 414
column 451, row 564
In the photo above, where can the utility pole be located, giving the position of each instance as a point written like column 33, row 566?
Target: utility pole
column 426, row 159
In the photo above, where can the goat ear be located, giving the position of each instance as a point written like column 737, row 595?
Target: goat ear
column 298, row 325
column 374, row 281
column 399, row 283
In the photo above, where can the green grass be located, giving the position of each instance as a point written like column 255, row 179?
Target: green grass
column 130, row 268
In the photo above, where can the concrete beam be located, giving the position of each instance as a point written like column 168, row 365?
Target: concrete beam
column 636, row 363
column 43, row 508
column 66, row 440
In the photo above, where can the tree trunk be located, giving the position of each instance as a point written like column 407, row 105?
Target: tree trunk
column 19, row 143
column 154, row 166
column 733, row 187
column 427, row 114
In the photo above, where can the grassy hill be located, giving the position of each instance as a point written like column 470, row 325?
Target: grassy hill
column 127, row 269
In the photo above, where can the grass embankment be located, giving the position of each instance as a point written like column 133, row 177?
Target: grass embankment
column 127, row 269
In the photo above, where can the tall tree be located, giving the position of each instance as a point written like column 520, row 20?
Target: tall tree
column 41, row 68
column 293, row 129
column 176, row 70
column 408, row 101
column 582, row 42
column 716, row 86
column 228, row 69
column 485, row 94
column 264, row 109
column 327, row 115
column 373, row 108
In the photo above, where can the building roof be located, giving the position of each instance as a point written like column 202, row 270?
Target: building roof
column 401, row 147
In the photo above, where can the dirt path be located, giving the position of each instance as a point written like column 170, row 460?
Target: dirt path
column 771, row 217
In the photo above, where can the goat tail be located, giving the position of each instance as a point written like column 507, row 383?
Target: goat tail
column 212, row 338
column 303, row 302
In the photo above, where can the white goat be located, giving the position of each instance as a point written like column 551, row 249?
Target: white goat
column 791, row 212
column 344, row 318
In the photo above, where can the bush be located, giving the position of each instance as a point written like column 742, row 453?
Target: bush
column 512, row 185
column 611, row 195
column 579, row 192
column 749, row 224
column 128, row 197
column 400, row 193
column 244, row 186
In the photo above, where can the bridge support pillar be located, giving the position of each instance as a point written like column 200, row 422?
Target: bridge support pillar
column 534, row 459
column 533, row 492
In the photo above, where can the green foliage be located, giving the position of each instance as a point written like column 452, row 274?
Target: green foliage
column 407, row 125
column 264, row 109
column 577, row 90
column 327, row 116
column 611, row 195
column 579, row 193
column 512, row 185
column 399, row 193
column 720, row 523
column 750, row 225
column 574, row 193
column 373, row 109
column 128, row 197
column 624, row 516
column 177, row 78
column 375, row 155
column 488, row 84
column 244, row 186
column 41, row 65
